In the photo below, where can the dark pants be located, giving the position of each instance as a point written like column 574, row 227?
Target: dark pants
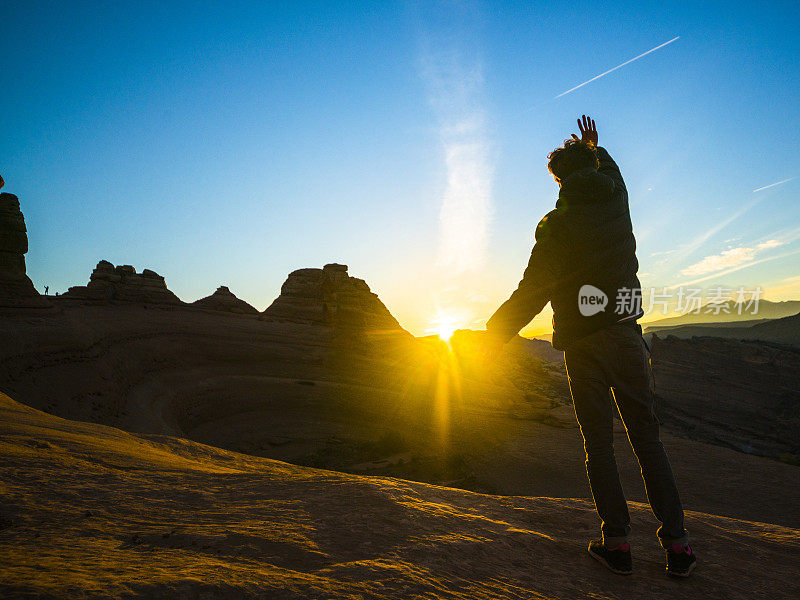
column 613, row 365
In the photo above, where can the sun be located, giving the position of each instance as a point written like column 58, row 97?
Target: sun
column 444, row 324
column 445, row 331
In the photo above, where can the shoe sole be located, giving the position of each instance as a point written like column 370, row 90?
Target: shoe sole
column 605, row 563
column 686, row 574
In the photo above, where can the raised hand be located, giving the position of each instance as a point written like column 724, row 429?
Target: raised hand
column 588, row 131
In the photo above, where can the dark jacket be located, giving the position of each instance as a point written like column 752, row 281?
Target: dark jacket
column 586, row 241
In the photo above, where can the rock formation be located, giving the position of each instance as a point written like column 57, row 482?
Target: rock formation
column 330, row 296
column 735, row 393
column 16, row 288
column 123, row 284
column 224, row 300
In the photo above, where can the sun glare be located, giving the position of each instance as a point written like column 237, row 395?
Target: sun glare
column 446, row 331
column 444, row 324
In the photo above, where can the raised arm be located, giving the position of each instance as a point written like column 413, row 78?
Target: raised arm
column 610, row 168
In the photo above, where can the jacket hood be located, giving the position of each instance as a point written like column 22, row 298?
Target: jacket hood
column 585, row 186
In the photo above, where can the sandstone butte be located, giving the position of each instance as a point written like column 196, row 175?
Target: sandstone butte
column 16, row 288
column 225, row 301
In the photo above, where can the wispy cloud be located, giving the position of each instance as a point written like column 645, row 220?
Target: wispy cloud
column 687, row 249
column 769, row 244
column 729, row 263
column 723, row 260
column 747, row 265
column 766, row 187
column 456, row 85
column 729, row 258
column 627, row 62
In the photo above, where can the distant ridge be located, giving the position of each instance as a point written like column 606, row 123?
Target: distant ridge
column 780, row 331
column 730, row 311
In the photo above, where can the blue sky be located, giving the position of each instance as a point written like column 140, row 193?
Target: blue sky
column 229, row 144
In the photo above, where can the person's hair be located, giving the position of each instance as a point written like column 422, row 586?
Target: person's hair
column 573, row 155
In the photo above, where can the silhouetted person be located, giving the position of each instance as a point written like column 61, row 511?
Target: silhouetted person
column 46, row 289
column 584, row 263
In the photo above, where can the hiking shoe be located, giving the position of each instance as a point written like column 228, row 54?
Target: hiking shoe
column 617, row 559
column 680, row 560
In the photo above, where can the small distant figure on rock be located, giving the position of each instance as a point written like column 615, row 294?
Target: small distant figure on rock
column 46, row 290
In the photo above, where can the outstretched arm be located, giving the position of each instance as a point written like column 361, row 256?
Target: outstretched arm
column 533, row 291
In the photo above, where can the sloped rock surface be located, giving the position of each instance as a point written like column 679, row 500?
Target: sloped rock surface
column 289, row 391
column 785, row 330
column 93, row 512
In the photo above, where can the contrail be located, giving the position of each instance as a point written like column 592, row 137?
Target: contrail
column 627, row 62
column 772, row 184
